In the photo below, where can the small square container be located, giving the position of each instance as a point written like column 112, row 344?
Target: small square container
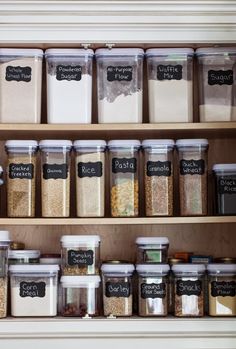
column 120, row 85
column 80, row 295
column 80, row 254
column 23, row 256
column 4, row 246
column 152, row 249
column 33, row 289
column 225, row 189
column 20, row 85
column 170, row 84
column 217, row 83
column 69, row 86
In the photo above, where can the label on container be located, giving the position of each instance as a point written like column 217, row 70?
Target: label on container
column 159, row 168
column 220, row 77
column 124, row 165
column 90, row 169
column 119, row 73
column 68, row 72
column 21, row 171
column 55, row 171
column 188, row 288
column 18, row 73
column 80, row 258
column 117, row 289
column 192, row 167
column 153, row 290
column 169, row 72
column 227, row 186
column 32, row 289
column 223, row 288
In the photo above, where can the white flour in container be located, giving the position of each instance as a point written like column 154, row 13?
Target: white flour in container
column 214, row 112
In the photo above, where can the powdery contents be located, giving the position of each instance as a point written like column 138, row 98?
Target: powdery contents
column 3, row 297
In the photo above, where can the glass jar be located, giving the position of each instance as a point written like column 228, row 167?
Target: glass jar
column 225, row 189
column 222, row 289
column 69, row 86
column 189, row 289
column 170, row 84
column 153, row 289
column 80, row 254
column 117, row 289
column 33, row 289
column 55, row 177
column 23, row 256
column 4, row 246
column 21, row 173
column 152, row 249
column 158, row 176
column 193, row 176
column 80, row 295
column 120, row 85
column 124, row 180
column 90, row 178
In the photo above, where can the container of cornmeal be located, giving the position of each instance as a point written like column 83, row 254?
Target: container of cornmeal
column 120, row 85
column 69, row 85
column 170, row 84
column 20, row 85
column 217, row 83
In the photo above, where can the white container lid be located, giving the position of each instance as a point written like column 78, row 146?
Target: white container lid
column 221, row 268
column 169, row 51
column 152, row 241
column 124, row 143
column 55, row 143
column 26, row 52
column 94, row 143
column 64, row 52
column 50, row 261
column 80, row 281
column 224, row 167
column 191, row 142
column 119, row 52
column 4, row 236
column 33, row 268
column 21, row 144
column 23, row 254
column 153, row 268
column 215, row 50
column 188, row 268
column 76, row 240
column 158, row 143
column 117, row 268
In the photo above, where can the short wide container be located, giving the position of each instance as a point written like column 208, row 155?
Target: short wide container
column 23, row 256
column 4, row 246
column 152, row 249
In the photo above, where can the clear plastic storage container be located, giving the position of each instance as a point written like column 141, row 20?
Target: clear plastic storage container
column 120, row 85
column 20, row 85
column 4, row 246
column 225, row 189
column 69, row 86
column 189, row 290
column 80, row 254
column 33, row 289
column 80, row 295
column 170, row 84
column 153, row 289
column 55, row 177
column 217, row 83
column 158, row 176
column 117, row 289
column 90, row 178
column 23, row 256
column 152, row 249
column 21, row 173
column 124, row 177
column 221, row 289
column 193, row 176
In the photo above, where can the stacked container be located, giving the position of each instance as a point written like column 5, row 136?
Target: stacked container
column 4, row 246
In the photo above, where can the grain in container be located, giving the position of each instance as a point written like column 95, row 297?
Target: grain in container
column 4, row 247
column 69, row 86
column 120, row 85
column 23, row 256
column 152, row 249
column 20, row 85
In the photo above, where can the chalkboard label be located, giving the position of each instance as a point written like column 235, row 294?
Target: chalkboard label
column 32, row 289
column 119, row 73
column 192, row 167
column 153, row 290
column 90, row 169
column 188, row 288
column 159, row 168
column 18, row 73
column 55, row 171
column 223, row 288
column 169, row 72
column 80, row 258
column 220, row 77
column 68, row 72
column 124, row 165
column 118, row 289
column 227, row 186
column 21, row 171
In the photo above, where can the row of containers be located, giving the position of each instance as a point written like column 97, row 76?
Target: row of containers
column 119, row 85
column 124, row 173
column 185, row 289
